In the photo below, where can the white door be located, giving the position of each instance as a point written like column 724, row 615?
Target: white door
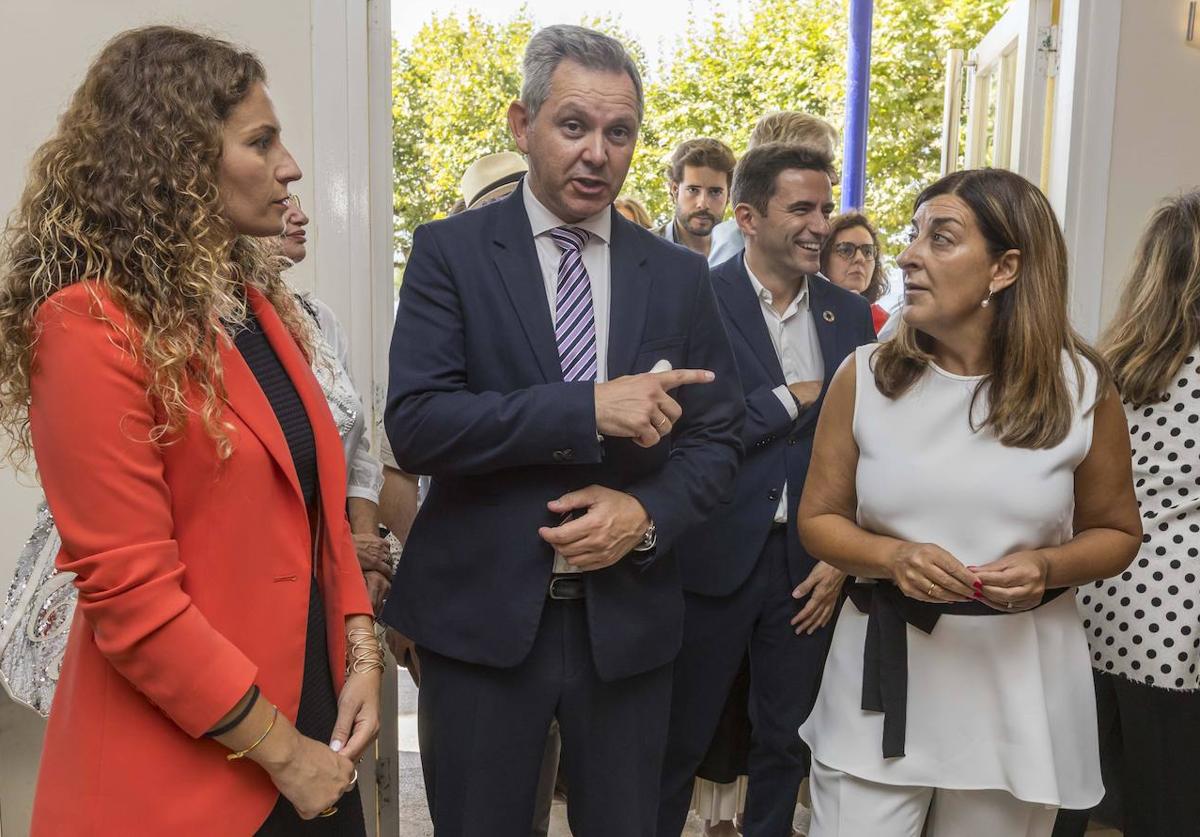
column 1007, row 79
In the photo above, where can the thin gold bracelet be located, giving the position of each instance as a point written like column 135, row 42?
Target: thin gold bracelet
column 261, row 738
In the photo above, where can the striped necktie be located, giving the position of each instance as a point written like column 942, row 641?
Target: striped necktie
column 574, row 322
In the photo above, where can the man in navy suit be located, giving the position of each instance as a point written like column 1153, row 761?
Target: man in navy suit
column 749, row 585
column 539, row 580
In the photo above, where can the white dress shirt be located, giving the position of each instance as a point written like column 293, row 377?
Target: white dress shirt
column 794, row 336
column 727, row 242
column 595, row 260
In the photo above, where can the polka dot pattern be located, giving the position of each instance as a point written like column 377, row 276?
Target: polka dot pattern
column 1145, row 624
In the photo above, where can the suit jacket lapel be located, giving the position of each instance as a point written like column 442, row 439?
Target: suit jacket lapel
column 516, row 259
column 629, row 294
column 246, row 398
column 745, row 311
column 821, row 305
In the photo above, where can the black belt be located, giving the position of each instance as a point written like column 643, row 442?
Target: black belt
column 885, row 652
column 566, row 587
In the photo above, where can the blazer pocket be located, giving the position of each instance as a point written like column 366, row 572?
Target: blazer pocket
column 660, row 343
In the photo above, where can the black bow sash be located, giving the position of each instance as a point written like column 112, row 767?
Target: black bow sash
column 885, row 652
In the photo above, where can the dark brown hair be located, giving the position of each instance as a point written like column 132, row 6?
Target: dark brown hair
column 702, row 153
column 1030, row 404
column 757, row 173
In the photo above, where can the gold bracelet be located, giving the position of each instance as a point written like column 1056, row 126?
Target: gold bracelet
column 261, row 738
column 365, row 651
column 363, row 665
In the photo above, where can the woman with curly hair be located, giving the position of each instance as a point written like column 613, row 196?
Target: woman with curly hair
column 850, row 258
column 222, row 674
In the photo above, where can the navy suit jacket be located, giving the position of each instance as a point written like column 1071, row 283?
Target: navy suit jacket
column 476, row 400
column 718, row 555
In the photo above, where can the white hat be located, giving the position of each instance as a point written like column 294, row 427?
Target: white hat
column 491, row 177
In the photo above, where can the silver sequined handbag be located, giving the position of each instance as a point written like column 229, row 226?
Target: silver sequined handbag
column 35, row 620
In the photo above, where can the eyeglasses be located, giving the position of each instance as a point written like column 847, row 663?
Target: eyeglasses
column 846, row 250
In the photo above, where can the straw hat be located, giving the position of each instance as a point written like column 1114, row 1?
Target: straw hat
column 491, row 177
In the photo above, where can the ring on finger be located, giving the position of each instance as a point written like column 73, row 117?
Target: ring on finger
column 328, row 812
column 661, row 422
column 929, row 592
column 354, row 778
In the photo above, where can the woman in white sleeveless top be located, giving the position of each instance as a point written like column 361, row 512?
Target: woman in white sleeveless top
column 966, row 472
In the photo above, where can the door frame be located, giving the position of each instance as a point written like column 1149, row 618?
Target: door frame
column 352, row 161
column 1081, row 146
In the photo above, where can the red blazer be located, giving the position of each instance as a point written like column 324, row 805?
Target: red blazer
column 192, row 579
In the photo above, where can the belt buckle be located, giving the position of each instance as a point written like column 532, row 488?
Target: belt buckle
column 565, row 588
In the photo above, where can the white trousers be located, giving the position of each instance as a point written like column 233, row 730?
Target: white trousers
column 846, row 806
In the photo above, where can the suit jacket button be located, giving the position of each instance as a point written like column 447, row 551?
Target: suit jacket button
column 773, row 495
column 793, row 440
column 564, row 455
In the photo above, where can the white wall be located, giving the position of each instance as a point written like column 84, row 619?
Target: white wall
column 1155, row 150
column 45, row 48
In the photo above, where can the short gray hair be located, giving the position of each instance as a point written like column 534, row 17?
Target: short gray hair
column 587, row 47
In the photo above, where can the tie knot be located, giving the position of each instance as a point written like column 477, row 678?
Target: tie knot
column 570, row 239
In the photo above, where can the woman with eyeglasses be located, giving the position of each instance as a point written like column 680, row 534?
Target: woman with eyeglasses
column 850, row 258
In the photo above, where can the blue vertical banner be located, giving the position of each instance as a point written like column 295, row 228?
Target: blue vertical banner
column 858, row 88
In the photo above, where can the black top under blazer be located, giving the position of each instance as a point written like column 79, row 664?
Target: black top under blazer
column 477, row 401
column 718, row 555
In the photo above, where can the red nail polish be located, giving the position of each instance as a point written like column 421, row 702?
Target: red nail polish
column 978, row 585
column 976, row 595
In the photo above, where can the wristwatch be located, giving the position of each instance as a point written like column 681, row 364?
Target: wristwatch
column 800, row 405
column 649, row 539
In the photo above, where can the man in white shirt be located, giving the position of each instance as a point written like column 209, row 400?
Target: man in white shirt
column 794, row 127
column 699, row 177
column 749, row 586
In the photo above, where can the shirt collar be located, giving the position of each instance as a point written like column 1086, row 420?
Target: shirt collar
column 542, row 220
column 800, row 303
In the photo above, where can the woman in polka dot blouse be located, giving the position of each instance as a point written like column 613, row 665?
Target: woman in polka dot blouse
column 1144, row 626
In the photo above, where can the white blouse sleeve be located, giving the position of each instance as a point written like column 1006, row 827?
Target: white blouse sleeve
column 364, row 472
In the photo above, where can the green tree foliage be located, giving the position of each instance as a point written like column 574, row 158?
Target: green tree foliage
column 450, row 97
column 787, row 55
column 451, row 91
column 908, row 54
